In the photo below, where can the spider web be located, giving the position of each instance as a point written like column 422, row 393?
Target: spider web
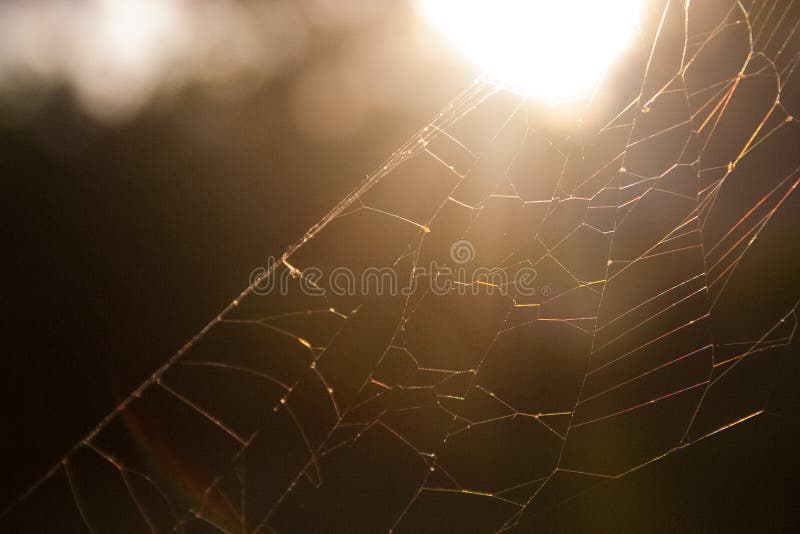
column 644, row 221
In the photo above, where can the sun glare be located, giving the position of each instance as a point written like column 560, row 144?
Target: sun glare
column 550, row 49
column 132, row 30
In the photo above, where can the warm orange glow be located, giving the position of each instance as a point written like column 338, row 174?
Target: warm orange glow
column 554, row 50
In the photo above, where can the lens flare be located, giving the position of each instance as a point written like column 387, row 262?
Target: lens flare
column 553, row 50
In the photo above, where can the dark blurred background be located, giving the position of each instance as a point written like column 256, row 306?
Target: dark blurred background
column 133, row 211
column 125, row 231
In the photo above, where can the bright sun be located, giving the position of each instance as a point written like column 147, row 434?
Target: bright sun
column 550, row 49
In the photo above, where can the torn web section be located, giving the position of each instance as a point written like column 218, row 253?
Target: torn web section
column 397, row 361
column 196, row 432
column 475, row 398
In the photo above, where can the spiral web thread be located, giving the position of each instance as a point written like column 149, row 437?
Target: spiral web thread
column 644, row 222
